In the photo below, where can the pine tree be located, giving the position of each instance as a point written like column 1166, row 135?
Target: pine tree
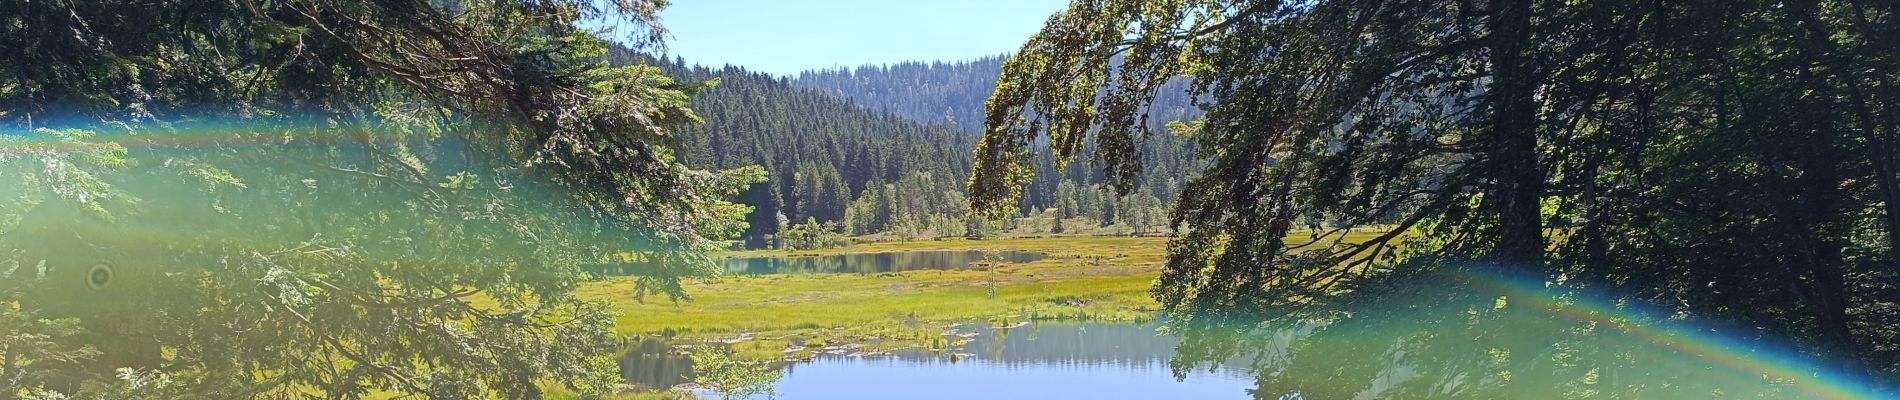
column 1066, row 199
column 1727, row 160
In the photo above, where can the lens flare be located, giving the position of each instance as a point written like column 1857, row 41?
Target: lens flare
column 1739, row 362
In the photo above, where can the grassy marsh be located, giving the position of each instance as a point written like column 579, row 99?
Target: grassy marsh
column 1084, row 278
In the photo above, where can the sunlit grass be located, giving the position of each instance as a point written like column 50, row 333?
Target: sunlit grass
column 794, row 316
column 1105, row 277
column 1084, row 278
column 557, row 393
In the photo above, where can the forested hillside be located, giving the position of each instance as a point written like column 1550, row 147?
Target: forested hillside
column 863, row 156
column 954, row 93
column 849, row 168
column 937, row 91
column 949, row 92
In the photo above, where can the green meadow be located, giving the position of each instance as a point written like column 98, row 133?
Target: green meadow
column 1083, row 278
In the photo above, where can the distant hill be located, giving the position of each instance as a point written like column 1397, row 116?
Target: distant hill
column 949, row 92
column 936, row 92
column 822, row 151
column 954, row 93
column 880, row 149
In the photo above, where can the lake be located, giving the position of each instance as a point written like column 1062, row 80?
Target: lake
column 871, row 263
column 1058, row 360
column 1431, row 351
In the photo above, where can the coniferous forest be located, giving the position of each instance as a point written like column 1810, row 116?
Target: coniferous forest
column 826, row 154
column 1220, row 199
column 855, row 153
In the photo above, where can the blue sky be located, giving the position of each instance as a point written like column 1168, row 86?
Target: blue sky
column 784, row 37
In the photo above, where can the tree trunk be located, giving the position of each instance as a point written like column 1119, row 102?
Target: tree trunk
column 1879, row 130
column 1828, row 299
column 1516, row 180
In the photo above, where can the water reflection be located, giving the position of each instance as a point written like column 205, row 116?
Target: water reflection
column 871, row 263
column 1457, row 337
column 1062, row 345
column 1035, row 361
column 1444, row 337
column 651, row 364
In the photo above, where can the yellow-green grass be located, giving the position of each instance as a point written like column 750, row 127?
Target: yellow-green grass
column 775, row 317
column 557, row 393
column 1083, row 278
column 1103, row 271
column 549, row 390
column 1094, row 278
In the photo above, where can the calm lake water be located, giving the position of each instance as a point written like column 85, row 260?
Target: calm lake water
column 1425, row 352
column 1066, row 361
column 1434, row 340
column 871, row 263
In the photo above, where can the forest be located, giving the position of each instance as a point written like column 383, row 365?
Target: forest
column 383, row 199
column 954, row 93
column 842, row 167
column 1728, row 160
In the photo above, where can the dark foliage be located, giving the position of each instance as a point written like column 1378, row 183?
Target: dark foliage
column 1725, row 161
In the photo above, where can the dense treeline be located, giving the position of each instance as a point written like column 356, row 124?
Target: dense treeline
column 954, row 93
column 826, row 156
column 864, row 162
column 932, row 92
column 1721, row 162
column 951, row 92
